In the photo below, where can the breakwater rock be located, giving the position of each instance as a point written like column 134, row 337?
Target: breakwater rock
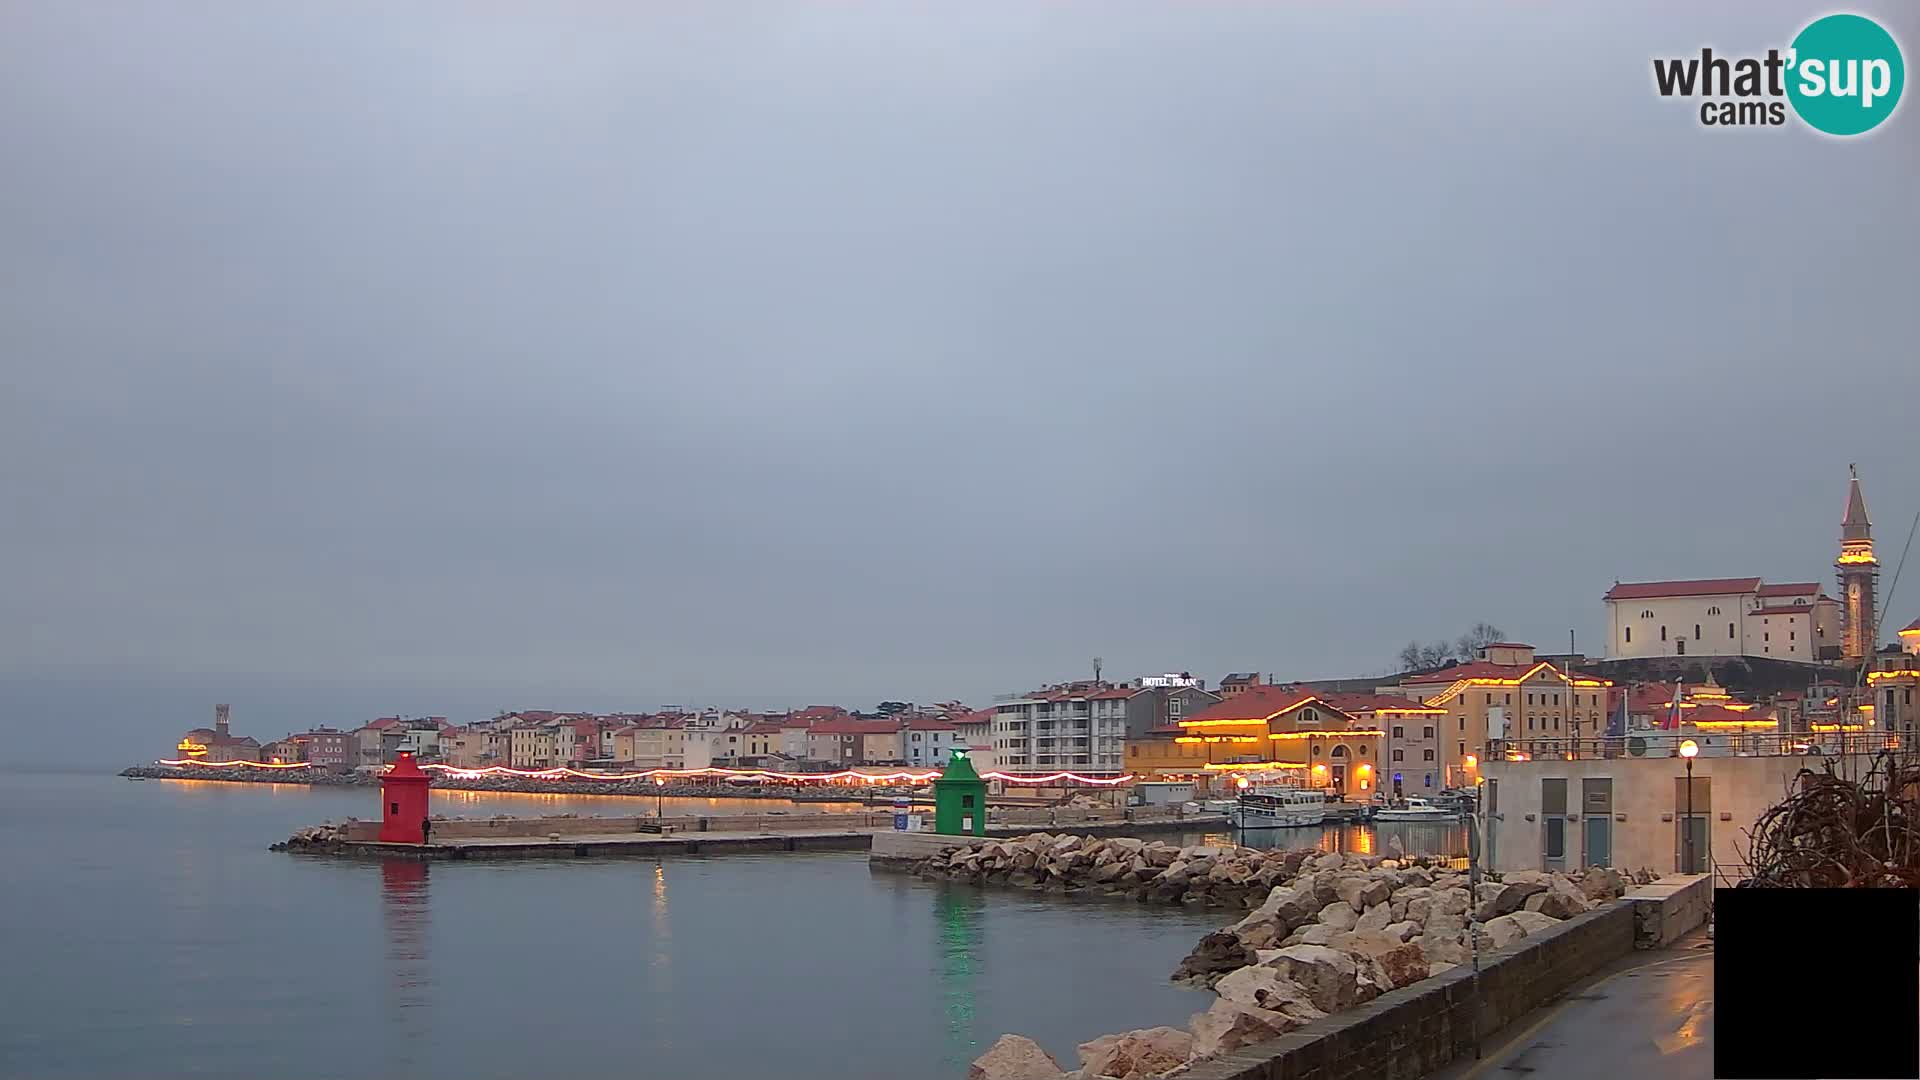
column 1151, row 871
column 1327, row 932
column 525, row 785
column 320, row 839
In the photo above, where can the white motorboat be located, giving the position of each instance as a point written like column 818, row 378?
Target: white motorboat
column 1414, row 809
column 1279, row 808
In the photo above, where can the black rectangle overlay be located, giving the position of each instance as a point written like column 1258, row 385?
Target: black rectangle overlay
column 1816, row 984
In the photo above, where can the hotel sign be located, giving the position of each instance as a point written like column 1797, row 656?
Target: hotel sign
column 1169, row 680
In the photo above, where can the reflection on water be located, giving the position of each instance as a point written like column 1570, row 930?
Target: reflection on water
column 957, row 915
column 403, row 906
column 1396, row 839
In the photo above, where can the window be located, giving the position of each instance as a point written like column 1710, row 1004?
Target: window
column 1556, row 838
column 1529, row 699
column 1766, row 637
column 1399, row 755
column 1463, row 723
column 1793, row 635
column 1463, row 749
column 1696, row 631
column 1647, row 614
column 1713, row 611
column 1556, row 699
column 1308, row 716
column 1663, row 633
column 1729, row 631
column 1508, row 700
column 1399, row 732
column 1427, row 754
column 1629, row 635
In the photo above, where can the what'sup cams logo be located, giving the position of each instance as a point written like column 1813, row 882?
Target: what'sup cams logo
column 1842, row 75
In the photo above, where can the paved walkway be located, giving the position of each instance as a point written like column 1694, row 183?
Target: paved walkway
column 1649, row 1021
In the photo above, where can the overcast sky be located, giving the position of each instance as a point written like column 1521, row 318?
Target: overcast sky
column 438, row 357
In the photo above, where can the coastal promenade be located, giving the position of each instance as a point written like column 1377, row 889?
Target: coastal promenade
column 1650, row 1018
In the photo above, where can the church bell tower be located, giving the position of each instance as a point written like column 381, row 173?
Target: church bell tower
column 1859, row 574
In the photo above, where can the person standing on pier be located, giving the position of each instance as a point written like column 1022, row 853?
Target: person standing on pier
column 426, row 830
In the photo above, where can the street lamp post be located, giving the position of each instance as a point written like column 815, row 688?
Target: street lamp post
column 1688, row 750
column 660, row 797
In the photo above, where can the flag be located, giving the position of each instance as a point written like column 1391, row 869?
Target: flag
column 1673, row 711
column 1617, row 721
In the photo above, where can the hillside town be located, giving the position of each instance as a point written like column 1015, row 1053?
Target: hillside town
column 1738, row 665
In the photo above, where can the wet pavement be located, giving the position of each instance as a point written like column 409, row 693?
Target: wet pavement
column 1649, row 1021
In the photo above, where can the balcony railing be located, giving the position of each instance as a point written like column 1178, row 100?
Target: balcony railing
column 1718, row 744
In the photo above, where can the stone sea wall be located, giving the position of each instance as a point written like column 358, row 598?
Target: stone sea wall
column 1327, row 932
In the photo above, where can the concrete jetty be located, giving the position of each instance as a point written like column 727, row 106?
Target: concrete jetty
column 606, row 837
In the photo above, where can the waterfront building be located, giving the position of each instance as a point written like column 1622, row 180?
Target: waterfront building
column 218, row 743
column 1506, row 694
column 762, row 739
column 1893, row 689
column 1077, row 726
column 371, row 745
column 534, row 745
column 326, row 748
column 665, row 743
column 1264, row 730
column 1160, row 700
column 1625, row 802
column 280, row 752
column 928, row 742
column 1415, row 733
column 843, row 743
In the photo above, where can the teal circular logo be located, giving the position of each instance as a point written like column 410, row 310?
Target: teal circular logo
column 1845, row 74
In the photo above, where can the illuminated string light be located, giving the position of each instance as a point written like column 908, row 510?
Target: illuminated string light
column 916, row 777
column 233, row 764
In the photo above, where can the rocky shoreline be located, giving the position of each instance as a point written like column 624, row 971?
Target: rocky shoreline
column 1326, row 932
column 525, row 785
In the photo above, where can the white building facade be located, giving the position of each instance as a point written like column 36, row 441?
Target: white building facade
column 1077, row 727
column 1722, row 617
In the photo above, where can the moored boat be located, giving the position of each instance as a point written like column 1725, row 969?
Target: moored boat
column 1413, row 809
column 1279, row 808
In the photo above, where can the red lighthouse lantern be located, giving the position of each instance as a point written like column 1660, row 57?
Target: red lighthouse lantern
column 403, row 797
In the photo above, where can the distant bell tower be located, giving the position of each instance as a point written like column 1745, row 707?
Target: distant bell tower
column 1859, row 574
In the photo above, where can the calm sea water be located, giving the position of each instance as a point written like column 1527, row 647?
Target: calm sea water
column 148, row 932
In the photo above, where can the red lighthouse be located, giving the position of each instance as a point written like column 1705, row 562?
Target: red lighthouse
column 403, row 790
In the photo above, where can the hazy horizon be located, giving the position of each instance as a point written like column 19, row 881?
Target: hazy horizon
column 438, row 360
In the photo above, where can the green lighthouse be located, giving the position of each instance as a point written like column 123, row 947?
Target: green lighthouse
column 960, row 799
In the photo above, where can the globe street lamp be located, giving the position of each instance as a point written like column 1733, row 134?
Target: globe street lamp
column 660, row 797
column 1688, row 750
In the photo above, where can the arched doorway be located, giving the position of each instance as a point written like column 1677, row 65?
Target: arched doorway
column 1342, row 761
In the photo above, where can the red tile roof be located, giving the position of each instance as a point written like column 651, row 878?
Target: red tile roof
column 1357, row 704
column 1648, row 590
column 1257, row 703
column 854, row 727
column 764, row 729
column 1797, row 588
column 928, row 723
column 1108, row 695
